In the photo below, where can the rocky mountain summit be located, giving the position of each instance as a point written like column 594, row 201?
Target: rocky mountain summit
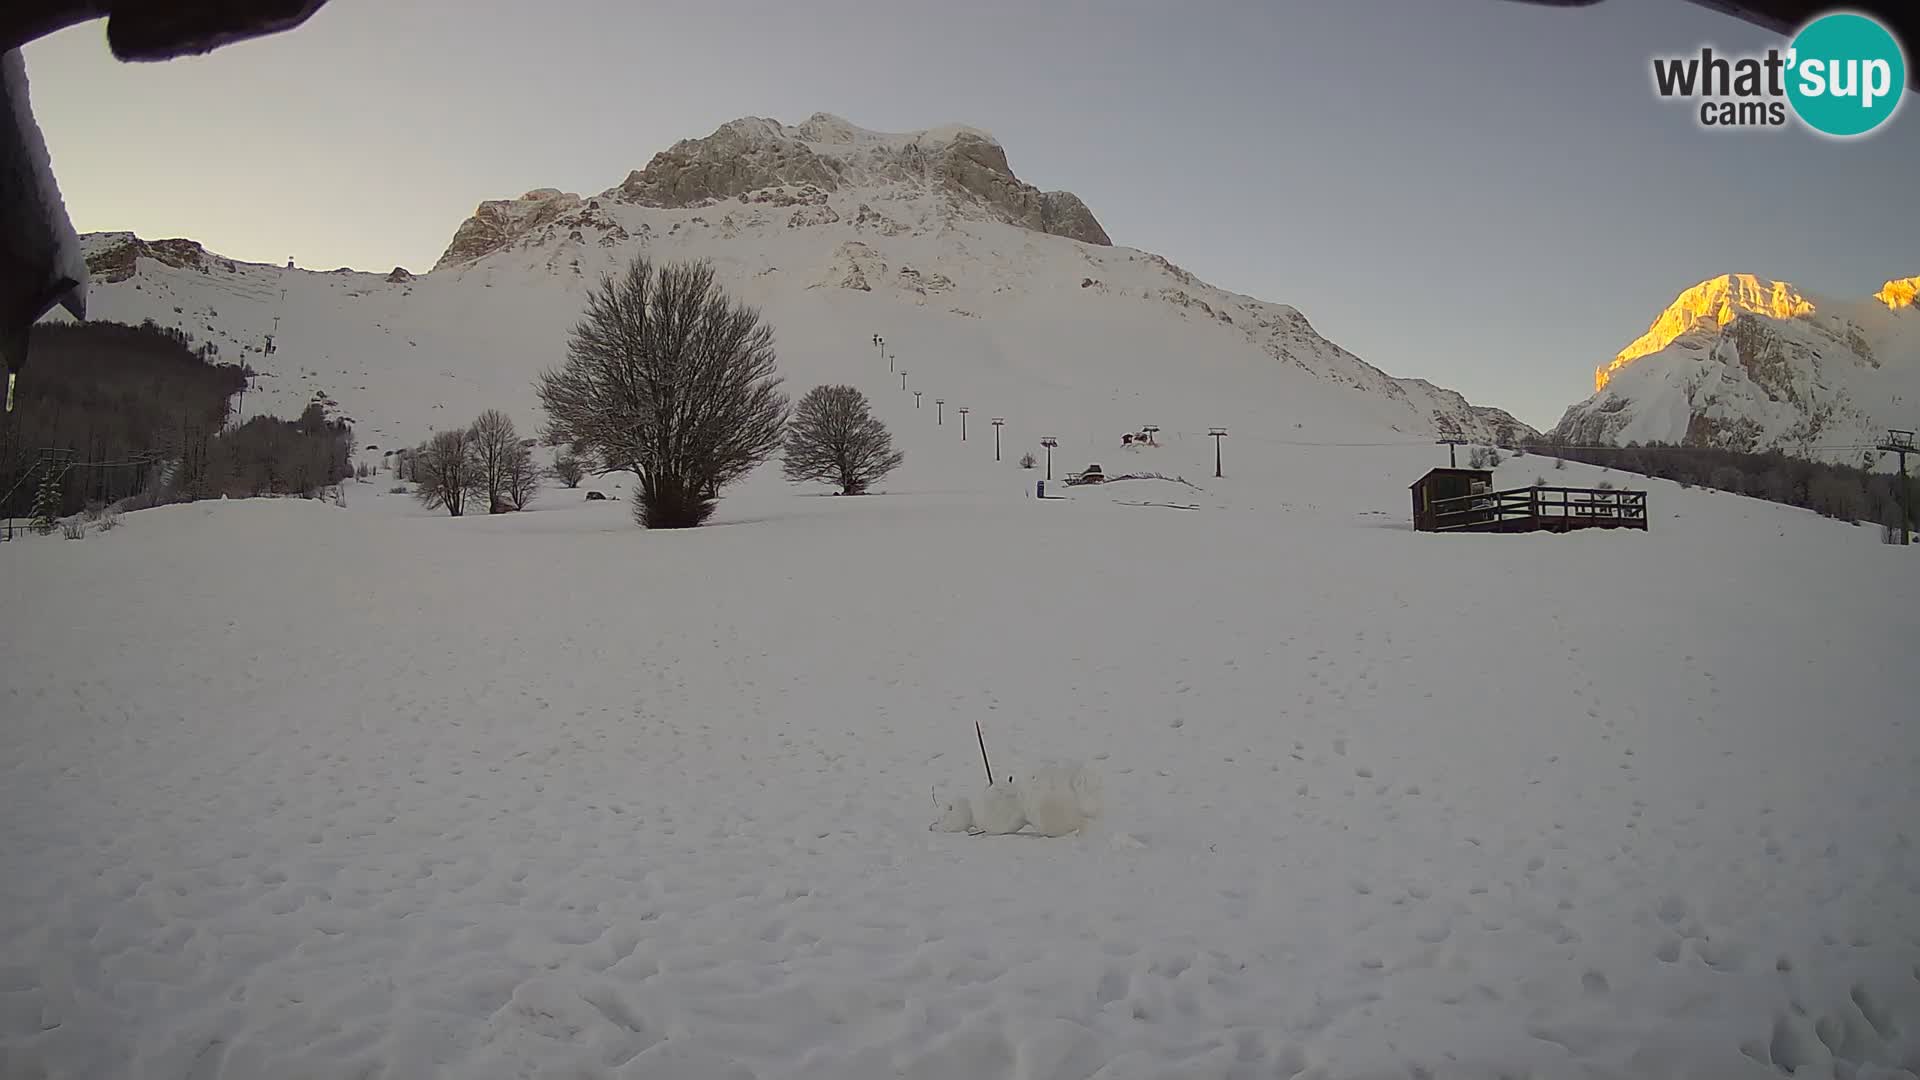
column 755, row 160
column 1746, row 363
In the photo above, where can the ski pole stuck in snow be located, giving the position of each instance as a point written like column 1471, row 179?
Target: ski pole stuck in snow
column 983, row 751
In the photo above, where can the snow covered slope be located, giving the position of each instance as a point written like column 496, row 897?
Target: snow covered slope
column 377, row 792
column 837, row 234
column 1749, row 364
column 293, row 790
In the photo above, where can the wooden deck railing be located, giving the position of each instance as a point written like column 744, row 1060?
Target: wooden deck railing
column 1522, row 509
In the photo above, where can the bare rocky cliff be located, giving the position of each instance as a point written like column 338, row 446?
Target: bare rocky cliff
column 758, row 160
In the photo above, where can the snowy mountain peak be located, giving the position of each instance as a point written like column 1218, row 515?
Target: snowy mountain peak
column 828, row 131
column 1752, row 364
column 1899, row 293
column 1714, row 302
column 1001, row 295
column 951, row 171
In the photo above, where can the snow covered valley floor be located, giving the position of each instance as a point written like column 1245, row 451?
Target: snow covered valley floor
column 290, row 790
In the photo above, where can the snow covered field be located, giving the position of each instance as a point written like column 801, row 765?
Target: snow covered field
column 291, row 790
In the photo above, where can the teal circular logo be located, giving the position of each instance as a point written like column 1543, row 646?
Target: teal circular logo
column 1846, row 74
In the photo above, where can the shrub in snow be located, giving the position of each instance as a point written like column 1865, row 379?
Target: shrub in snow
column 73, row 529
column 1028, row 461
column 110, row 519
column 448, row 472
column 834, row 438
column 569, row 469
column 670, row 378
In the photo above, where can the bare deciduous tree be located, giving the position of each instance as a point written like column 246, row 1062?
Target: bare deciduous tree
column 569, row 469
column 523, row 477
column 495, row 446
column 835, row 439
column 670, row 379
column 446, row 472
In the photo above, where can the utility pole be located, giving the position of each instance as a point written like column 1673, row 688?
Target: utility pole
column 939, row 412
column 903, row 380
column 1151, row 430
column 1451, row 436
column 997, row 421
column 889, row 361
column 1049, row 442
column 963, row 422
column 1901, row 443
column 916, row 399
column 1216, row 434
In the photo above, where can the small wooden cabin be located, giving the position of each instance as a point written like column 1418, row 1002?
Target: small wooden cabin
column 1445, row 484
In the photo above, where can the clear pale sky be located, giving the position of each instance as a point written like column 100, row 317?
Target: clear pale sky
column 1483, row 194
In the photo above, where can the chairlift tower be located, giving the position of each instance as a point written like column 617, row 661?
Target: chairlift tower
column 1901, row 442
column 1451, row 436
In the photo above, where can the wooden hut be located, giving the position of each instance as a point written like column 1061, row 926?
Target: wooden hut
column 1445, row 484
column 1463, row 500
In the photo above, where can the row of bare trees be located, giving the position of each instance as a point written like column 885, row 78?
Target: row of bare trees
column 669, row 378
column 486, row 461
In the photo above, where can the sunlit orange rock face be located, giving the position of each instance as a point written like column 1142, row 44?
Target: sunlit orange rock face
column 1899, row 293
column 1717, row 300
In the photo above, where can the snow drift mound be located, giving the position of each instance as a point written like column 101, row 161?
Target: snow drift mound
column 1053, row 800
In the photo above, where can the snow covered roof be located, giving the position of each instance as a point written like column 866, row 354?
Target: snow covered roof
column 1476, row 474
